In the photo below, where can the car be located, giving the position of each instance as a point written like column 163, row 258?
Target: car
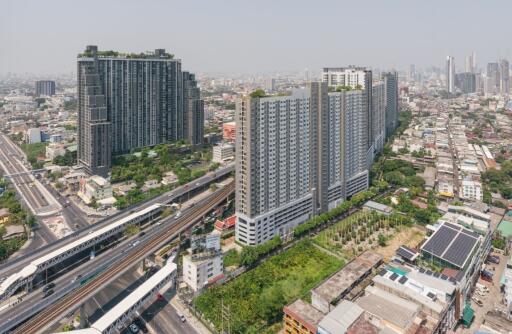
column 480, row 293
column 141, row 234
column 134, row 328
column 477, row 301
column 76, row 278
column 182, row 318
column 135, row 243
column 48, row 293
column 48, row 287
column 141, row 325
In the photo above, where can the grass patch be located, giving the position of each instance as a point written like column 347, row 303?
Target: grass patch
column 231, row 258
column 33, row 151
column 256, row 298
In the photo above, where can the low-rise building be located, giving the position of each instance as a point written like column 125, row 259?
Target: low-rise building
column 229, row 131
column 95, row 187
column 203, row 265
column 55, row 150
column 223, row 152
column 378, row 207
column 341, row 283
column 301, row 318
column 4, row 216
column 33, row 135
column 471, row 190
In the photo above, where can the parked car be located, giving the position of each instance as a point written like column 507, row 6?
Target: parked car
column 480, row 292
column 134, row 328
column 482, row 287
column 477, row 301
column 141, row 325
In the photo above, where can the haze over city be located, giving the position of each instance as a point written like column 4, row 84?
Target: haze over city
column 43, row 37
column 270, row 167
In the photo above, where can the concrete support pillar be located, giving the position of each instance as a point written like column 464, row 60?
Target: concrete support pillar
column 83, row 317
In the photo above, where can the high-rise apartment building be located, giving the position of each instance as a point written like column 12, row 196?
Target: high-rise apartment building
column 391, row 91
column 450, row 74
column 355, row 78
column 379, row 114
column 297, row 156
column 504, row 76
column 45, row 87
column 128, row 101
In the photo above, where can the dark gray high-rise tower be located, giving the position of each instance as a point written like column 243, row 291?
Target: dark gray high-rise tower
column 148, row 100
column 391, row 91
column 45, row 87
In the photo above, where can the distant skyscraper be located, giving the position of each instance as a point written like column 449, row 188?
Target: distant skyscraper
column 450, row 74
column 470, row 63
column 412, row 72
column 493, row 78
column 391, row 91
column 466, row 82
column 45, row 87
column 504, row 76
column 379, row 114
column 132, row 101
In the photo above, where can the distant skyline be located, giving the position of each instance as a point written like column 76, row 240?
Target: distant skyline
column 44, row 37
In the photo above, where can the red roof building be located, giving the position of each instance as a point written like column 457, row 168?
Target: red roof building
column 226, row 224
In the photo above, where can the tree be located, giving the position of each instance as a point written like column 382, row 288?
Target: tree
column 258, row 93
column 382, row 240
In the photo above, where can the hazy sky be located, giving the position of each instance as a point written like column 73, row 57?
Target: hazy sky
column 44, row 36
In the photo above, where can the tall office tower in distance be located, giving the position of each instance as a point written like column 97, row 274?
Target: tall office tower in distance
column 470, row 63
column 391, row 91
column 379, row 112
column 412, row 72
column 504, row 77
column 148, row 101
column 450, row 74
column 466, row 82
column 45, row 88
column 493, row 78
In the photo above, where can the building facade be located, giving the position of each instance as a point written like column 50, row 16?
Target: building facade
column 297, row 156
column 45, row 88
column 450, row 74
column 391, row 91
column 132, row 101
column 466, row 82
column 504, row 76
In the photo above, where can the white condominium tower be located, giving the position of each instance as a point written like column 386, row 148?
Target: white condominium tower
column 293, row 155
column 450, row 74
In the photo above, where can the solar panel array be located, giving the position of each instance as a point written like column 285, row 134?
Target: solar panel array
column 451, row 243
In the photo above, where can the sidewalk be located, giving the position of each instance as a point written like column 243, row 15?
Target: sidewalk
column 191, row 319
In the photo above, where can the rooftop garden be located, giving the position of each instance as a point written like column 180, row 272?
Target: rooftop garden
column 115, row 54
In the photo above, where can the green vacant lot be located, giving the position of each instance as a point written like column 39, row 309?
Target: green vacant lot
column 256, row 298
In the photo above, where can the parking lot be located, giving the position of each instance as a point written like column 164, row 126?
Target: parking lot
column 490, row 300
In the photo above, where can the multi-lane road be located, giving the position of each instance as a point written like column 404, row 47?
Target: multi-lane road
column 133, row 255
column 35, row 196
column 19, row 263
